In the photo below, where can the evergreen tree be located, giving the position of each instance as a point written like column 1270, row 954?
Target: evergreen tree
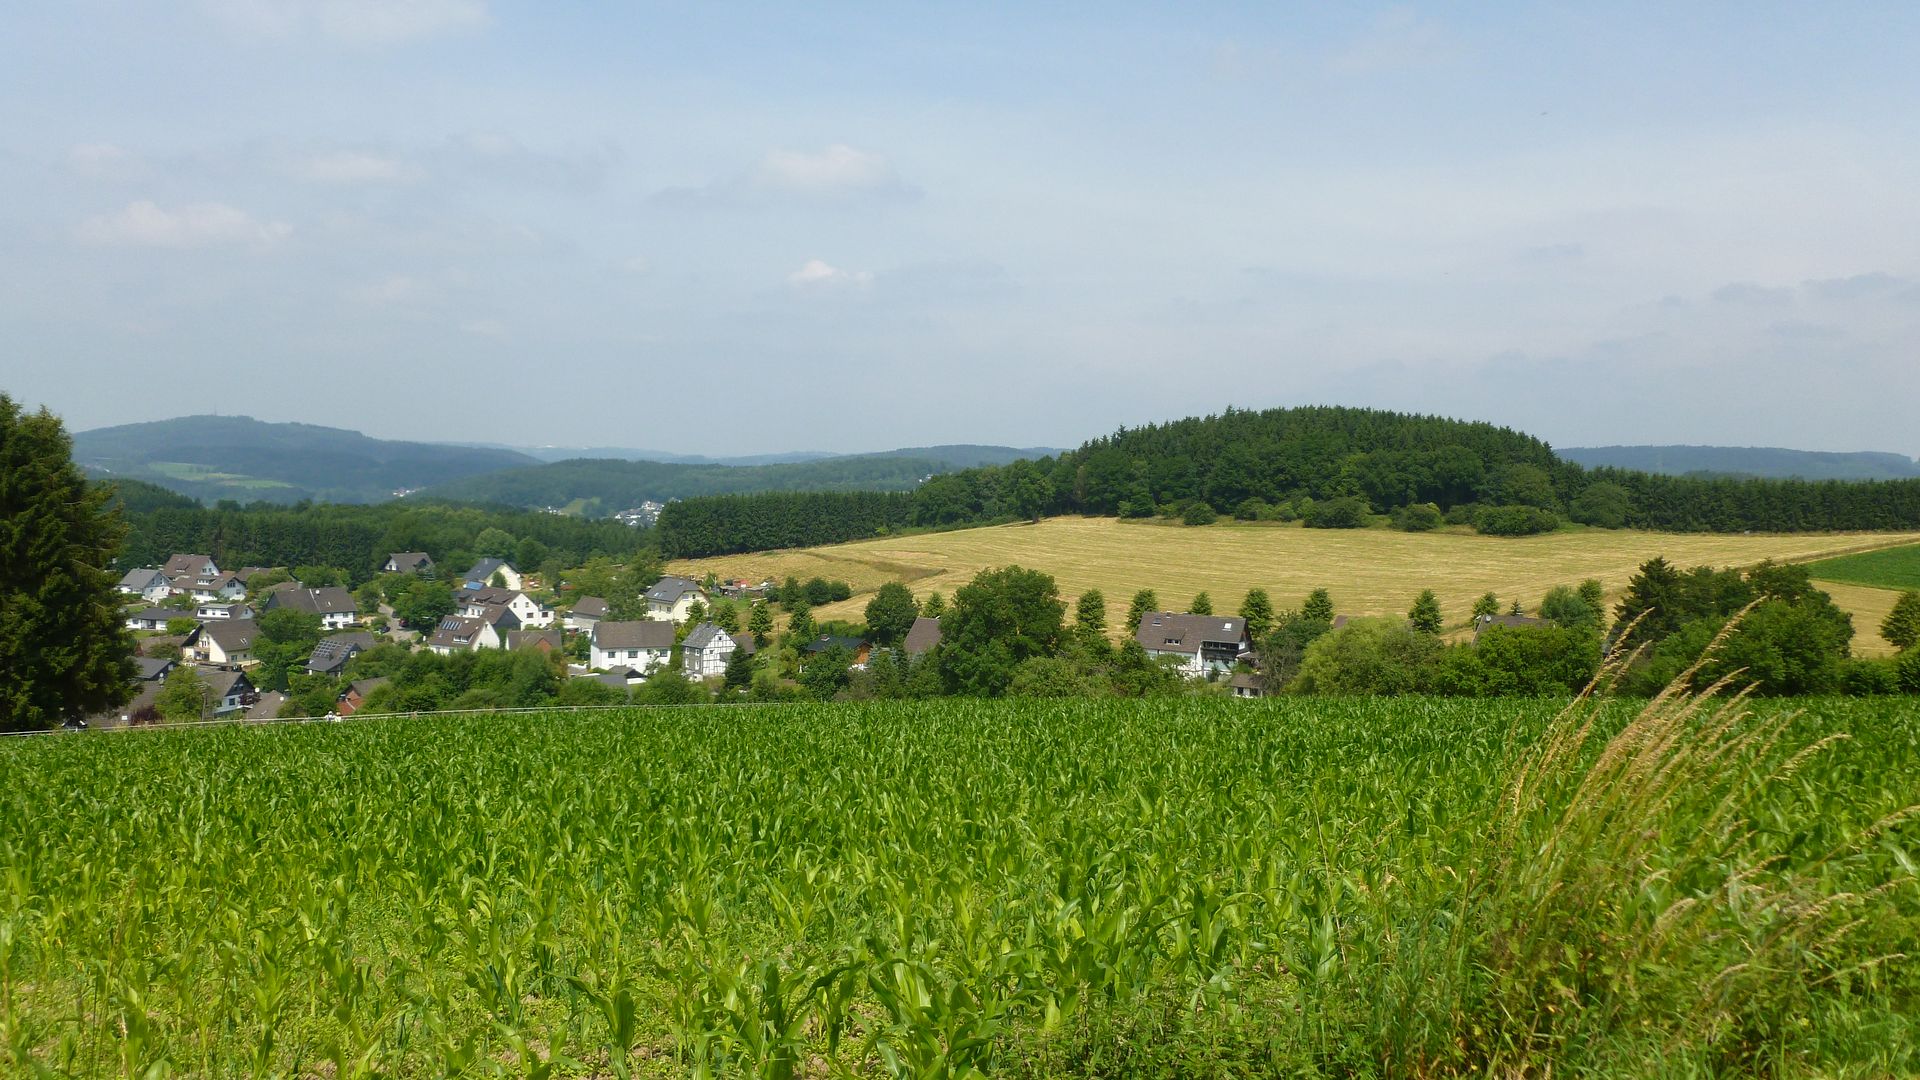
column 933, row 606
column 1425, row 615
column 739, row 670
column 1901, row 627
column 800, row 623
column 1594, row 593
column 64, row 652
column 1516, row 609
column 1090, row 616
column 726, row 616
column 1486, row 607
column 1202, row 604
column 1143, row 602
column 1319, row 606
column 890, row 613
column 760, row 625
column 1257, row 610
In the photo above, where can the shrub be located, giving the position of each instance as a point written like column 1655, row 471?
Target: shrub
column 1252, row 510
column 1348, row 512
column 1515, row 521
column 1370, row 656
column 1419, row 517
column 1866, row 677
column 1605, row 504
column 1462, row 514
column 1199, row 513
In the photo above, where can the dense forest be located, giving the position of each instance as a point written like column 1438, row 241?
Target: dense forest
column 599, row 486
column 359, row 538
column 1304, row 462
column 725, row 524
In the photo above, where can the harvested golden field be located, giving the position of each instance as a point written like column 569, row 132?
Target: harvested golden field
column 1370, row 571
column 1869, row 607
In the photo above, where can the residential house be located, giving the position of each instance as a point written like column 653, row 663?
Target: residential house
column 546, row 641
column 228, row 690
column 247, row 573
column 643, row 645
column 219, row 588
column 860, row 648
column 334, row 605
column 148, row 583
column 526, row 610
column 1249, row 685
column 921, row 637
column 644, row 516
column 153, row 669
column 1203, row 643
column 156, row 618
column 221, row 641
column 458, row 633
column 671, row 598
column 707, row 648
column 204, row 612
column 355, row 695
column 330, row 656
column 267, row 707
column 483, row 573
column 586, row 611
column 194, row 567
column 407, row 562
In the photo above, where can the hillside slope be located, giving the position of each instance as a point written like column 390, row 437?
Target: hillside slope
column 1764, row 461
column 601, row 486
column 238, row 457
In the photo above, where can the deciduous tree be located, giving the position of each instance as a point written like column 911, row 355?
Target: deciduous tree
column 890, row 613
column 1257, row 610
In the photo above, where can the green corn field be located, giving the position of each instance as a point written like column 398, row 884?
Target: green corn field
column 954, row 888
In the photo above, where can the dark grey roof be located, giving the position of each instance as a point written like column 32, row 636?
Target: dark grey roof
column 148, row 668
column 268, row 707
column 591, row 607
column 223, row 682
column 326, row 600
column 232, row 635
column 641, row 634
column 192, row 565
column 456, row 632
column 164, row 615
column 702, row 636
column 669, row 590
column 498, row 616
column 483, row 570
column 1488, row 622
column 141, row 578
column 827, row 641
column 332, row 653
column 406, row 561
column 527, row 639
column 1166, row 631
column 363, row 687
column 924, row 635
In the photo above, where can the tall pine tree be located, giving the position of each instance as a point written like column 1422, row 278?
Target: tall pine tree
column 63, row 646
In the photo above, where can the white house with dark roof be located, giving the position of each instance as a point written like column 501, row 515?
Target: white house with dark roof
column 407, row 562
column 334, row 604
column 156, row 618
column 221, row 641
column 707, row 648
column 190, row 566
column 227, row 690
column 1202, row 643
column 203, row 612
column 644, row 646
column 672, row 598
column 211, row 590
column 482, row 573
column 148, row 583
column 457, row 633
column 586, row 613
column 526, row 610
column 330, row 656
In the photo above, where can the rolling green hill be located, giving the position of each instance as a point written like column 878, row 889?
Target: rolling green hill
column 237, row 457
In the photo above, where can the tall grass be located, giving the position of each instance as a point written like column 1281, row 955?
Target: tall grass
column 1644, row 903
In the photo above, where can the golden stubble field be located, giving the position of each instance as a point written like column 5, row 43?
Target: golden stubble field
column 1369, row 571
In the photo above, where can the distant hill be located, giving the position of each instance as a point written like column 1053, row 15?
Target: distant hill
column 955, row 456
column 1763, row 461
column 237, row 457
column 600, row 486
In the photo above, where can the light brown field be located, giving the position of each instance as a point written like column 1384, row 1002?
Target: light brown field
column 1369, row 571
column 1869, row 607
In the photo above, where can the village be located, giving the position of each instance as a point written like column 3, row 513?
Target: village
column 191, row 613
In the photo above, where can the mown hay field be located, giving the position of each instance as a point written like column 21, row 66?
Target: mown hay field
column 1370, row 571
column 1184, row 887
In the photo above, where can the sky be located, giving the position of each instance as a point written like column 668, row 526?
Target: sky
column 735, row 228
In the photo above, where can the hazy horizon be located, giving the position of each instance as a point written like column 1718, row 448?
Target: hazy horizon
column 759, row 230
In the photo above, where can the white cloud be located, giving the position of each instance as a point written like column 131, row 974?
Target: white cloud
column 838, row 168
column 817, row 274
column 355, row 167
column 146, row 224
column 355, row 22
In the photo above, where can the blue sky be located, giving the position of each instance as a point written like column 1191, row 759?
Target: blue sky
column 733, row 228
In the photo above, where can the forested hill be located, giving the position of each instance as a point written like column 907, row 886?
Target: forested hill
column 599, row 486
column 1323, row 463
column 236, row 457
column 1764, row 461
